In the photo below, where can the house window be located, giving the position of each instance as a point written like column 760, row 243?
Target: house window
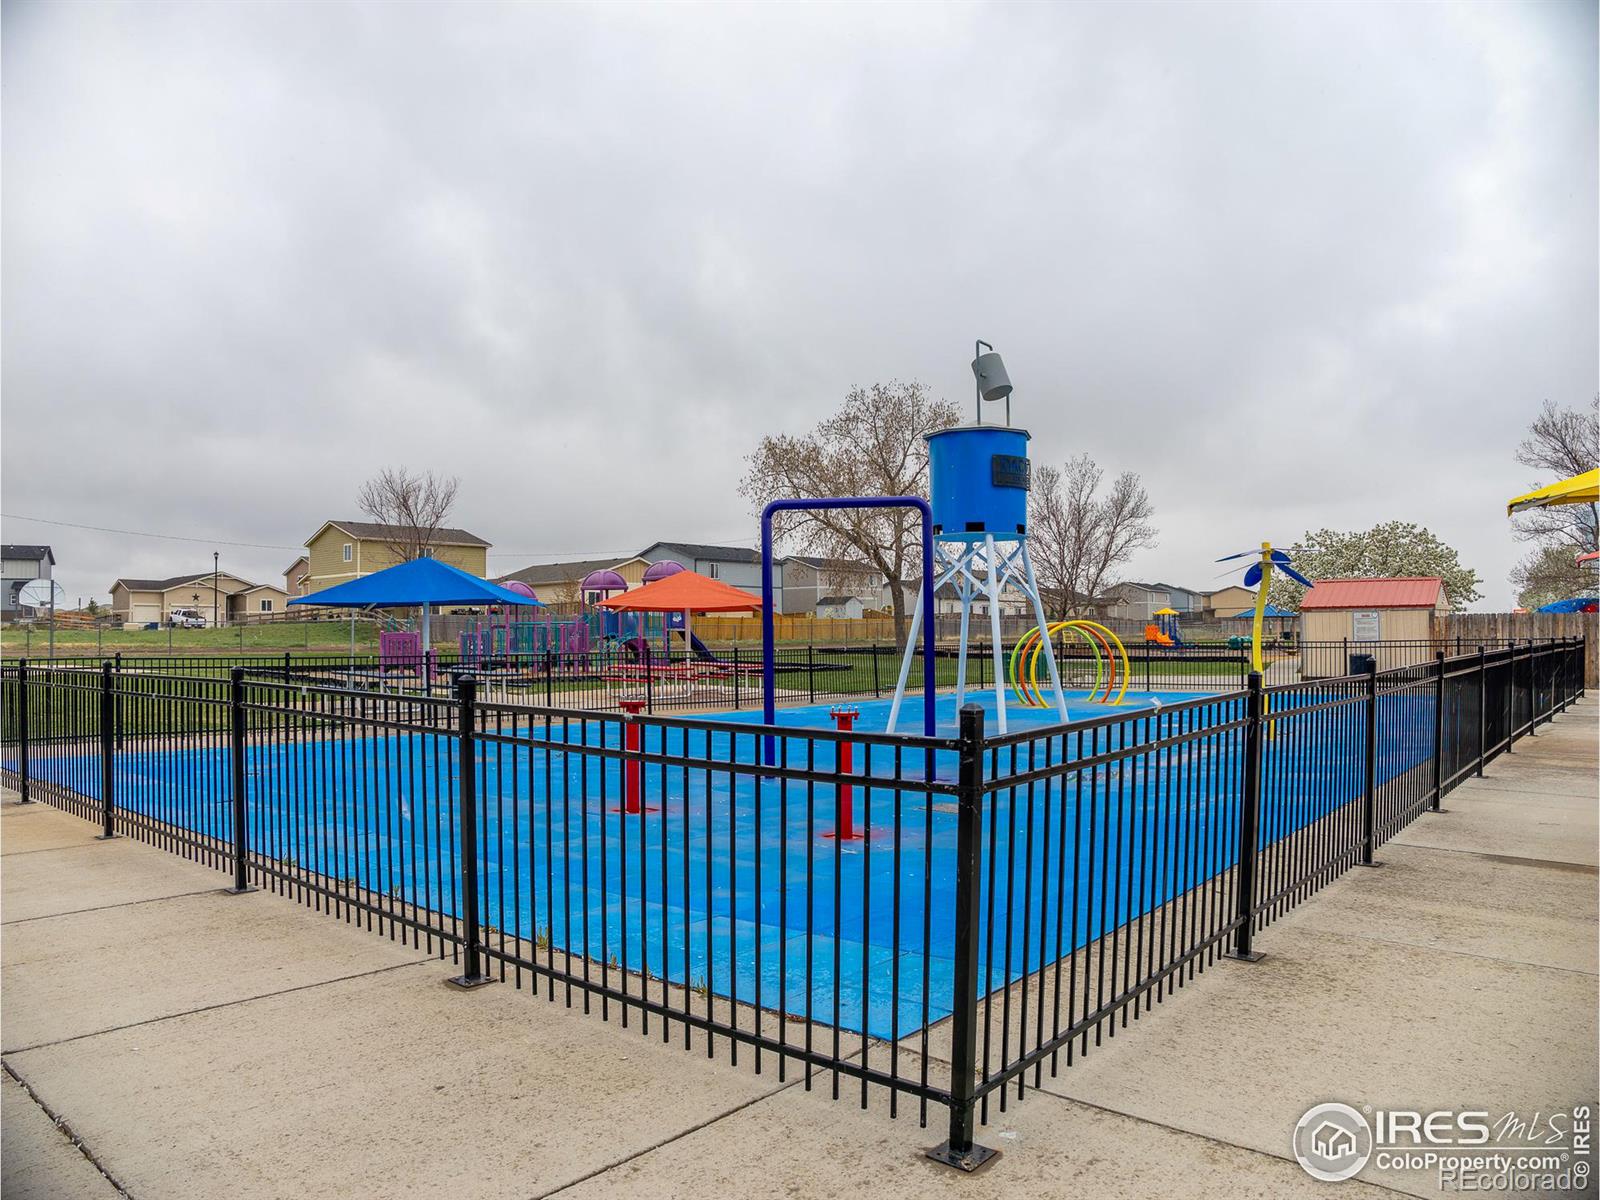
column 266, row 606
column 711, row 570
column 427, row 552
column 349, row 552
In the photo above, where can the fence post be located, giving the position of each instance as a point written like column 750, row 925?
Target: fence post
column 118, row 706
column 649, row 687
column 1511, row 693
column 1438, row 734
column 288, row 667
column 811, row 672
column 549, row 679
column 1369, row 799
column 959, row 1150
column 1483, row 708
column 1533, row 690
column 22, row 731
column 877, row 690
column 736, row 675
column 467, row 840
column 108, row 752
column 241, row 832
column 1249, row 822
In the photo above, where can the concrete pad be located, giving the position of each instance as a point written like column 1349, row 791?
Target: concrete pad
column 803, row 1144
column 1518, row 909
column 394, row 1084
column 1511, row 822
column 25, row 828
column 97, row 875
column 174, row 956
column 1331, row 1017
column 37, row 1159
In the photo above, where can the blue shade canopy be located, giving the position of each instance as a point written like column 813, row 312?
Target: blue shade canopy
column 1272, row 610
column 414, row 584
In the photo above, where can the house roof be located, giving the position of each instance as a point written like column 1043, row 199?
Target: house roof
column 561, row 572
column 161, row 585
column 370, row 531
column 836, row 601
column 302, row 559
column 1409, row 591
column 694, row 550
column 16, row 552
column 1155, row 587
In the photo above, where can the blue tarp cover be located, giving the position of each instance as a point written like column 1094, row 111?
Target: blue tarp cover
column 413, row 584
column 1576, row 604
column 1272, row 611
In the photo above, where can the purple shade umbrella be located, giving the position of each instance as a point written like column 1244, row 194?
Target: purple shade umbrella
column 604, row 581
column 661, row 570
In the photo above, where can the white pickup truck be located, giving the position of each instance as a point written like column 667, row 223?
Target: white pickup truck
column 186, row 618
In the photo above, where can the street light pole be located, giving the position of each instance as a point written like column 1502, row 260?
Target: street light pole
column 215, row 579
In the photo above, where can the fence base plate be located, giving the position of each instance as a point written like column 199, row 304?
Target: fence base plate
column 468, row 982
column 233, row 891
column 969, row 1160
column 1371, row 865
column 104, row 837
column 1253, row 956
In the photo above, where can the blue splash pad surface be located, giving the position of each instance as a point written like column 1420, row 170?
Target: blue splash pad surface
column 709, row 888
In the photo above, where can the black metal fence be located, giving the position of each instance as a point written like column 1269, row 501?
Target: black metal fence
column 942, row 918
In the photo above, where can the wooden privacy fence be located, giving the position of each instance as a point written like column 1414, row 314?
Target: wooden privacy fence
column 1472, row 629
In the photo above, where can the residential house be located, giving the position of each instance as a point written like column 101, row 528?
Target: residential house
column 21, row 564
column 294, row 579
column 223, row 597
column 561, row 582
column 1132, row 601
column 340, row 551
column 799, row 582
column 808, row 584
column 1226, row 602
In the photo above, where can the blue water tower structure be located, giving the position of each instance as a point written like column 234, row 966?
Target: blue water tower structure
column 979, row 477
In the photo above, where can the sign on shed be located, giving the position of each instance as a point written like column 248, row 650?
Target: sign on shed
column 1366, row 626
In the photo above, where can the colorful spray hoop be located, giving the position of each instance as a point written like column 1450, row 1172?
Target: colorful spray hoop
column 1107, row 647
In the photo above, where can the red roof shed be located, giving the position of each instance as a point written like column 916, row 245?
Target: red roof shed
column 1411, row 591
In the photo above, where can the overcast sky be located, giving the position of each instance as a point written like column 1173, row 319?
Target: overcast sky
column 1298, row 265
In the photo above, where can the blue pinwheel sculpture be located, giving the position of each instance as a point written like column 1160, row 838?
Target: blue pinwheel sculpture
column 1260, row 573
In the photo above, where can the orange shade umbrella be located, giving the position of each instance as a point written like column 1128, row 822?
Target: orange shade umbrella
column 684, row 592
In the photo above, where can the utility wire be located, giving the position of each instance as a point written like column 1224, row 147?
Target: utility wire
column 170, row 537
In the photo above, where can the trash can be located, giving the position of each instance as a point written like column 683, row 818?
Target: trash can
column 1362, row 664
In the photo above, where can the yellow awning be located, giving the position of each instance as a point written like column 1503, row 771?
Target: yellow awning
column 1580, row 489
column 1165, row 612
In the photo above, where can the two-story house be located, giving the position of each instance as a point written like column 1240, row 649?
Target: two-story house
column 340, row 551
column 1133, row 601
column 21, row 564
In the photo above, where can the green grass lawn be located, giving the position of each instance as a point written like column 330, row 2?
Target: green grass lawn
column 325, row 637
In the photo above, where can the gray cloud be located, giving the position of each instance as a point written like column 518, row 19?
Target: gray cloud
column 1299, row 265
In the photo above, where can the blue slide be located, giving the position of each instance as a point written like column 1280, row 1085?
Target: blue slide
column 701, row 650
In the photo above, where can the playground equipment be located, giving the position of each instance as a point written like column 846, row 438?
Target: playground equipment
column 1260, row 572
column 1022, row 669
column 979, row 478
column 1164, row 631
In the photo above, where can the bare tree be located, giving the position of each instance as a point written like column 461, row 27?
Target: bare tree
column 411, row 507
column 1562, row 442
column 873, row 446
column 1079, row 537
column 1551, row 572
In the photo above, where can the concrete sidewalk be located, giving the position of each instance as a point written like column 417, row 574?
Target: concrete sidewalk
column 165, row 1039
